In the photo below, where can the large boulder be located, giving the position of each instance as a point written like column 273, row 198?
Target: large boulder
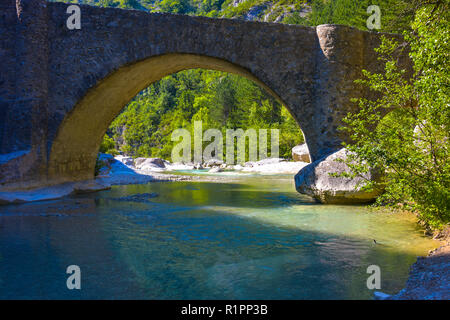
column 125, row 160
column 149, row 164
column 315, row 180
column 138, row 161
column 301, row 153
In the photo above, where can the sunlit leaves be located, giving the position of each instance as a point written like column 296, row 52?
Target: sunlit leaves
column 411, row 143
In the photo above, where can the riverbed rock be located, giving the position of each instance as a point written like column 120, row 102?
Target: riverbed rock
column 250, row 164
column 52, row 192
column 315, row 180
column 138, row 161
column 301, row 153
column 215, row 170
column 213, row 163
column 149, row 163
column 125, row 160
column 198, row 166
column 89, row 186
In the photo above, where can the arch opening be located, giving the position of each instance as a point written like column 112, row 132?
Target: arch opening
column 75, row 148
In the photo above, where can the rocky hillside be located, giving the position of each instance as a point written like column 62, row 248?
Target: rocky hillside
column 286, row 11
column 269, row 11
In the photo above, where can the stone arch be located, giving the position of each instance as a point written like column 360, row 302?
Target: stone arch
column 75, row 147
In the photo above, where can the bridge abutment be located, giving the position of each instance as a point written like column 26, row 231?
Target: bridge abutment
column 24, row 116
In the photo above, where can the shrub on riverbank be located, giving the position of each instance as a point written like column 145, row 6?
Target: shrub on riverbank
column 411, row 143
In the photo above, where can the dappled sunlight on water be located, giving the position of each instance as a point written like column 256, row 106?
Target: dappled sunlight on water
column 245, row 238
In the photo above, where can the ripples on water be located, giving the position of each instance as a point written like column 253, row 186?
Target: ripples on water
column 249, row 238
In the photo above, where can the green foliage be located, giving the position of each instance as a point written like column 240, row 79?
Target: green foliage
column 396, row 15
column 175, row 6
column 108, row 146
column 218, row 99
column 130, row 4
column 411, row 144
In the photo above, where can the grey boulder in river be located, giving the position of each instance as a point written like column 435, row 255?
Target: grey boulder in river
column 315, row 180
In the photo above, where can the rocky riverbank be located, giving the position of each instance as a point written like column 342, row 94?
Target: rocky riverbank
column 122, row 170
column 429, row 277
column 213, row 166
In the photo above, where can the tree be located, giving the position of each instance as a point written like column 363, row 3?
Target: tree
column 410, row 144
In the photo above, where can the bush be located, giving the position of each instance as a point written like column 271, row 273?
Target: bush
column 411, row 144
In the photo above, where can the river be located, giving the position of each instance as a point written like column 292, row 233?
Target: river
column 242, row 237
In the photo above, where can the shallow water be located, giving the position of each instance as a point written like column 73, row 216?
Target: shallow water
column 253, row 237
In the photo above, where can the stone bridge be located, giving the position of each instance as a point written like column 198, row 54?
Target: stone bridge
column 60, row 89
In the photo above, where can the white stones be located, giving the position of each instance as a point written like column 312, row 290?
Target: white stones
column 213, row 163
column 52, row 192
column 150, row 164
column 125, row 160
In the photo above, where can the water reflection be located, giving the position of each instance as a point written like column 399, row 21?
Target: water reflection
column 245, row 239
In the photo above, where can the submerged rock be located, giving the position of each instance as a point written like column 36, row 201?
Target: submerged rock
column 315, row 180
column 198, row 166
column 215, row 169
column 52, row 192
column 140, row 197
column 88, row 186
column 301, row 153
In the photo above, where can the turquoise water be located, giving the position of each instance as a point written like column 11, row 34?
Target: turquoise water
column 248, row 237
